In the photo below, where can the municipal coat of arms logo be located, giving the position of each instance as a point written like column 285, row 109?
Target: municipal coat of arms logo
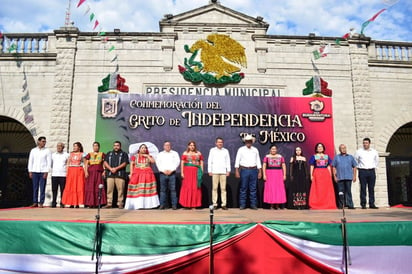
column 219, row 62
column 109, row 107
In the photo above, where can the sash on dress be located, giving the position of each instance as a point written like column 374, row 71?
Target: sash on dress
column 199, row 173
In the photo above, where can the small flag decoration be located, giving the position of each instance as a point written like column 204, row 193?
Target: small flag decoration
column 366, row 23
column 113, row 81
column 80, row 3
column 321, row 52
column 317, row 86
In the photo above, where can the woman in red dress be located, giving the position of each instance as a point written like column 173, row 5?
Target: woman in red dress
column 322, row 193
column 94, row 177
column 73, row 194
column 192, row 172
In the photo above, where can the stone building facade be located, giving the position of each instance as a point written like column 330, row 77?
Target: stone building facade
column 49, row 85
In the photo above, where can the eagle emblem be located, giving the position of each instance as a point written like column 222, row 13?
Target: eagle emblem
column 221, row 59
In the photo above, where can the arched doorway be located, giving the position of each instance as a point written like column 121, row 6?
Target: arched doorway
column 15, row 145
column 399, row 166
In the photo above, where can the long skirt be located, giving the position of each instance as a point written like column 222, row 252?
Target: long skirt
column 190, row 193
column 274, row 192
column 322, row 194
column 142, row 190
column 91, row 194
column 74, row 190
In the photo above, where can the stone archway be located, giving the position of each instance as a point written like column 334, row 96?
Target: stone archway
column 16, row 141
column 381, row 144
column 399, row 166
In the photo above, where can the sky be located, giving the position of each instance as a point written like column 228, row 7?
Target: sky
column 331, row 18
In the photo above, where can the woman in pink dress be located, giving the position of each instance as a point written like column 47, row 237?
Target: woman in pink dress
column 322, row 193
column 94, row 177
column 73, row 194
column 192, row 173
column 274, row 175
column 142, row 188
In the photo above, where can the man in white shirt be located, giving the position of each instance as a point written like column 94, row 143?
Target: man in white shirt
column 218, row 166
column 59, row 170
column 367, row 159
column 167, row 162
column 39, row 166
column 249, row 170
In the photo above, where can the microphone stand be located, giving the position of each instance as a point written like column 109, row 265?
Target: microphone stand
column 212, row 228
column 97, row 245
column 345, row 252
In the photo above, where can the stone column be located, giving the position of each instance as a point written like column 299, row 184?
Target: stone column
column 66, row 45
column 363, row 108
column 362, row 99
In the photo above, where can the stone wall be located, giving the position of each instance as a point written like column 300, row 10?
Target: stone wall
column 371, row 96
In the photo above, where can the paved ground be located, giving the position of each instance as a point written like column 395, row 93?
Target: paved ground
column 233, row 215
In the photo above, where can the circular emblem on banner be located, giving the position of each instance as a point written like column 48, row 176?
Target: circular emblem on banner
column 316, row 105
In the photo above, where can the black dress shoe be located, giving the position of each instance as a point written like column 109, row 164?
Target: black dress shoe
column 351, row 207
column 373, row 207
column 363, row 207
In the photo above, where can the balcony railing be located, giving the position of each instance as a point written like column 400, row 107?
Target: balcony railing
column 24, row 43
column 391, row 51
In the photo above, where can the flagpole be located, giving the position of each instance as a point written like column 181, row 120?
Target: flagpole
column 67, row 21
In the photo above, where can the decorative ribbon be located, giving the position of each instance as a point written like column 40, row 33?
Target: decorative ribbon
column 199, row 173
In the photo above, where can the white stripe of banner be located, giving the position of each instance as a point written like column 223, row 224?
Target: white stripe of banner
column 40, row 263
column 365, row 259
column 34, row 263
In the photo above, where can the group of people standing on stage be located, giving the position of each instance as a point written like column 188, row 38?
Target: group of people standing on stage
column 81, row 176
column 78, row 175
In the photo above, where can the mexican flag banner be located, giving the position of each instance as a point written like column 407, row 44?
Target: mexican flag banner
column 268, row 247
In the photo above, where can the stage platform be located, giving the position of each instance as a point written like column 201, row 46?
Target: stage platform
column 233, row 215
column 61, row 240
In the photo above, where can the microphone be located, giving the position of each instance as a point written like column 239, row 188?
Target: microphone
column 211, row 207
column 341, row 198
column 100, row 191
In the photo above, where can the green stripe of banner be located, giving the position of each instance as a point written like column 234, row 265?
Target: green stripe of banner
column 67, row 238
column 359, row 234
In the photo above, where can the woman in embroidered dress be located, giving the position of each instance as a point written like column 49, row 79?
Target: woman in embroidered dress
column 142, row 188
column 192, row 172
column 94, row 177
column 274, row 175
column 322, row 194
column 73, row 194
column 298, row 188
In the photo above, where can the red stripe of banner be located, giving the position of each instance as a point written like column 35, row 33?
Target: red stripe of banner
column 322, row 268
column 182, row 264
column 255, row 251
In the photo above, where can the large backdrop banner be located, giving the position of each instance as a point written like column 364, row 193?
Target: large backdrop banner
column 134, row 119
column 152, row 119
